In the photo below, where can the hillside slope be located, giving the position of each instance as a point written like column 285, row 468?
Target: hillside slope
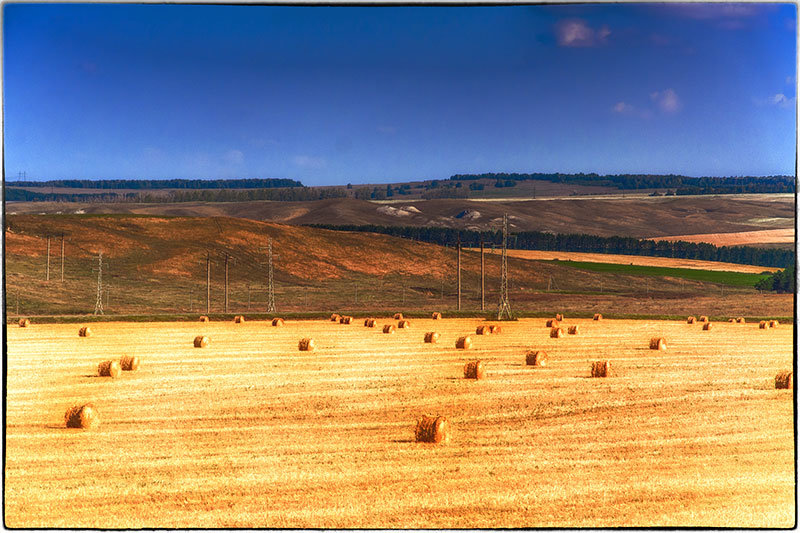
column 158, row 265
column 641, row 217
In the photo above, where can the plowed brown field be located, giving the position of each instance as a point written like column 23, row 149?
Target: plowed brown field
column 250, row 432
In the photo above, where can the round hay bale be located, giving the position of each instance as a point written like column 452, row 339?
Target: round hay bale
column 482, row 330
column 495, row 329
column 436, row 316
column 109, row 369
column 238, row 319
column 277, row 322
column 464, row 343
column 82, row 417
column 783, row 380
column 597, row 316
column 732, row 320
column 306, row 345
column 741, row 320
column 601, row 369
column 204, row 318
column 475, row 370
column 691, row 320
column 388, row 328
column 85, row 331
column 404, row 324
column 398, row 316
column 370, row 323
column 773, row 323
column 573, row 330
column 129, row 363
column 703, row 318
column 335, row 317
column 559, row 317
column 432, row 429
column 762, row 324
column 556, row 333
column 552, row 323
column 24, row 322
column 658, row 343
column 200, row 341
column 346, row 320
column 431, row 337
column 536, row 358
column 707, row 326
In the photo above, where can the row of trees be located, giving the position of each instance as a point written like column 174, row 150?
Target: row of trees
column 561, row 242
column 292, row 194
column 680, row 184
column 781, row 281
column 249, row 183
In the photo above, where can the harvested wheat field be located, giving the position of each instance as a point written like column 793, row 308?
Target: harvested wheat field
column 251, row 432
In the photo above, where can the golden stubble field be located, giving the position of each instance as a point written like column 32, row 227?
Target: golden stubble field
column 250, row 432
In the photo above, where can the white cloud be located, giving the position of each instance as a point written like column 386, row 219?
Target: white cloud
column 233, row 157
column 576, row 32
column 307, row 161
column 666, row 100
column 627, row 109
column 622, row 107
column 777, row 100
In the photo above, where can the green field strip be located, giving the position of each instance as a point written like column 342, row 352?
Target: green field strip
column 737, row 279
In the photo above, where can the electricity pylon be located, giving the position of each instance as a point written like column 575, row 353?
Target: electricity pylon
column 504, row 308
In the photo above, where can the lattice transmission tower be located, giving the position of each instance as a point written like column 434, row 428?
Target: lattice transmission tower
column 504, row 308
column 98, row 304
column 271, row 289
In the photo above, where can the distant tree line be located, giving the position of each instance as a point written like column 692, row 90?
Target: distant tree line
column 782, row 281
column 561, row 242
column 249, row 183
column 293, row 194
column 681, row 185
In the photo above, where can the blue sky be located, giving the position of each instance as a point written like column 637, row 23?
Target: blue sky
column 331, row 95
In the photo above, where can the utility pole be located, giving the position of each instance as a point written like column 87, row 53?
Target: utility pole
column 47, row 272
column 458, row 262
column 504, row 307
column 226, row 281
column 98, row 304
column 62, row 258
column 483, row 286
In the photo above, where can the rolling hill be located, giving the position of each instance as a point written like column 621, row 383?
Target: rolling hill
column 158, row 265
column 637, row 216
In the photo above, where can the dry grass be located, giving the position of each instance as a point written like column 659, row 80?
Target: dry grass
column 255, row 434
